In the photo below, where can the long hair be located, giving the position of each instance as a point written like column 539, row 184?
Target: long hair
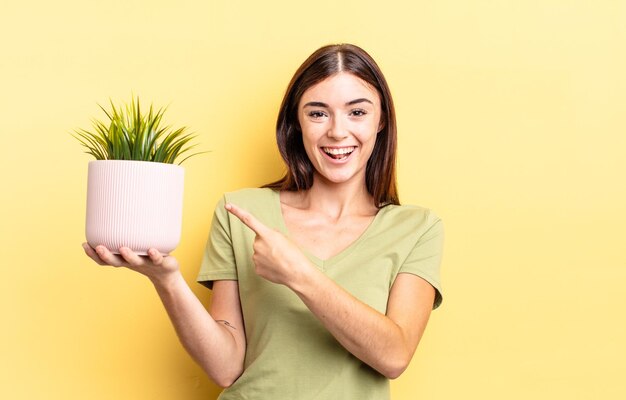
column 380, row 175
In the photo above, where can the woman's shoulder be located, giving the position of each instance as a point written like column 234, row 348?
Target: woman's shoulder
column 250, row 196
column 410, row 211
column 413, row 217
column 263, row 203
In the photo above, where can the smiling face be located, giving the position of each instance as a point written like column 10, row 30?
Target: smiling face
column 339, row 119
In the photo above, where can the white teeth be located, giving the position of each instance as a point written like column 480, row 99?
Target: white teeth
column 338, row 151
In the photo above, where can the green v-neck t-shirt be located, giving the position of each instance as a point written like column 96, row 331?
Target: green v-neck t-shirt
column 289, row 354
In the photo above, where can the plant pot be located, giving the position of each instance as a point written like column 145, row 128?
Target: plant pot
column 136, row 204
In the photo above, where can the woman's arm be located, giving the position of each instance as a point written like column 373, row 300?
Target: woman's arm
column 386, row 342
column 215, row 339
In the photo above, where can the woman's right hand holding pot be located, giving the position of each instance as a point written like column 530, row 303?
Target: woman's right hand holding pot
column 156, row 266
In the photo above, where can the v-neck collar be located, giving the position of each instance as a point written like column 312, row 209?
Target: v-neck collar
column 320, row 263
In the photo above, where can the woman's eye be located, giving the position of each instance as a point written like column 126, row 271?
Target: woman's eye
column 358, row 113
column 316, row 114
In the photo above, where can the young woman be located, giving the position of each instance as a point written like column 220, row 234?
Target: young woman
column 322, row 283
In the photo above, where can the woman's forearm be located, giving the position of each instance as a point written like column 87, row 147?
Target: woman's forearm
column 218, row 348
column 215, row 346
column 376, row 339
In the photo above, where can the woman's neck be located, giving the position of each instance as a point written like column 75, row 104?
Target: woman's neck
column 334, row 199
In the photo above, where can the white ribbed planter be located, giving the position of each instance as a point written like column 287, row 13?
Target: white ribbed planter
column 138, row 204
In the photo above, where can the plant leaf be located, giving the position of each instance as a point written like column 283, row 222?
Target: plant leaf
column 130, row 134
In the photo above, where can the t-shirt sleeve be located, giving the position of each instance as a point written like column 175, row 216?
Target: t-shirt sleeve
column 218, row 262
column 425, row 258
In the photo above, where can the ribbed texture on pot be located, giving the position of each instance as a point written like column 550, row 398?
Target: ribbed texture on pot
column 137, row 204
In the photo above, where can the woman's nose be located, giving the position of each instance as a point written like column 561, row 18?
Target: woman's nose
column 337, row 130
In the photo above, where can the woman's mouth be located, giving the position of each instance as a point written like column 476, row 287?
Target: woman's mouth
column 338, row 153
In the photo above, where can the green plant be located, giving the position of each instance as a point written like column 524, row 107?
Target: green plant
column 131, row 135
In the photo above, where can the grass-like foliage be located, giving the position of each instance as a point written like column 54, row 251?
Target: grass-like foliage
column 130, row 135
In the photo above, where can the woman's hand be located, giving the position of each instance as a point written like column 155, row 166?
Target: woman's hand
column 276, row 258
column 219, row 349
column 157, row 267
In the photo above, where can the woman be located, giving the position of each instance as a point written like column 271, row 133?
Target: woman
column 322, row 283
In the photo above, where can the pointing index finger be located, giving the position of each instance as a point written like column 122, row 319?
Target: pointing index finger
column 248, row 219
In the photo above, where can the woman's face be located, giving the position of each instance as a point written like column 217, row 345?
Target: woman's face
column 339, row 118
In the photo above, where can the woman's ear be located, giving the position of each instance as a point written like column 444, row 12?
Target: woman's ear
column 381, row 125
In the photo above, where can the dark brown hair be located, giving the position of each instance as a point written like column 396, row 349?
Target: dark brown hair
column 380, row 175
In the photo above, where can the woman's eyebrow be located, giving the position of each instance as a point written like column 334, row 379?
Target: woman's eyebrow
column 350, row 103
column 356, row 101
column 315, row 104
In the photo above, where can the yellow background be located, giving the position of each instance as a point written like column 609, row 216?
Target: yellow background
column 511, row 119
